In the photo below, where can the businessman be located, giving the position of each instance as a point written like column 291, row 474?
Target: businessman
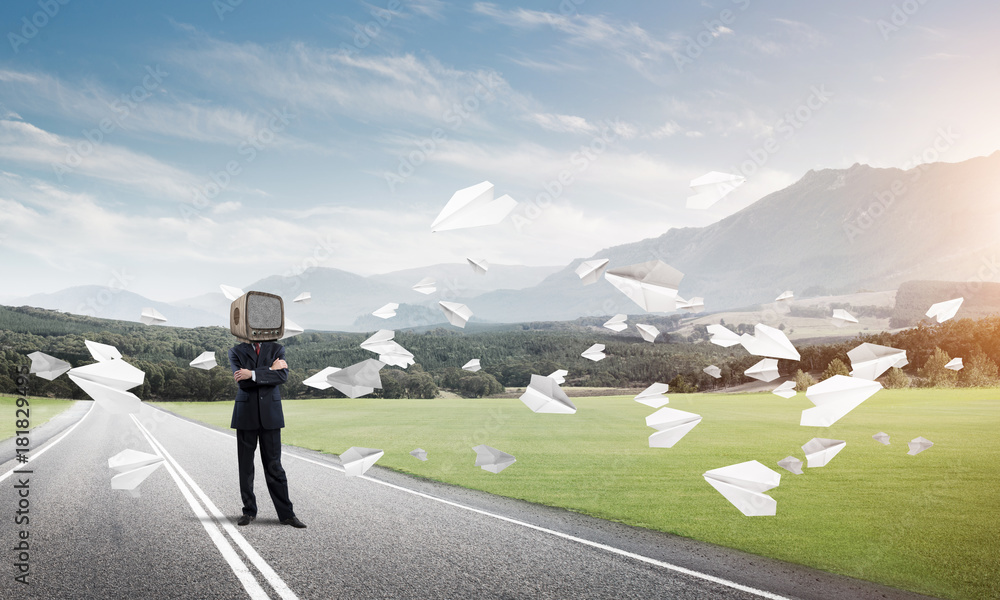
column 259, row 368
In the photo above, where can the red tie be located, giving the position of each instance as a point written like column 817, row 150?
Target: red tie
column 257, row 348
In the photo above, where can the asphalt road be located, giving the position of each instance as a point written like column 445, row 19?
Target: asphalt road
column 384, row 535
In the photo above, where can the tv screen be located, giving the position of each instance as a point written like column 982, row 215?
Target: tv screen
column 263, row 312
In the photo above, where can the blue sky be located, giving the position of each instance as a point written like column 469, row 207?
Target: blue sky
column 345, row 127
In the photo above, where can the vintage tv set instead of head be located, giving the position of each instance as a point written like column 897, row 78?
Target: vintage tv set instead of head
column 257, row 317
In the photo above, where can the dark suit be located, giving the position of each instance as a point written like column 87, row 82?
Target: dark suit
column 257, row 416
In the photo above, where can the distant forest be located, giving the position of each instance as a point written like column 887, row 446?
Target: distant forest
column 509, row 356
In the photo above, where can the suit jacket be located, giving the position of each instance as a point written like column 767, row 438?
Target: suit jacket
column 258, row 401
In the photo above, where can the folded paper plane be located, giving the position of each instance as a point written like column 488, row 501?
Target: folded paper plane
column 942, row 311
column 543, row 395
column 205, row 360
column 590, row 271
column 472, row 366
column 648, row 332
column 303, row 298
column 786, row 295
column 419, row 454
column 653, row 395
column 712, row 187
column 616, row 323
column 479, row 265
column 841, row 317
column 107, row 381
column 670, row 425
column 691, row 305
column 491, row 459
column 425, row 286
column 457, row 314
column 102, row 352
column 133, row 468
column 357, row 460
column 713, row 371
column 918, row 445
column 954, row 364
column 319, row 380
column 820, row 451
column 151, row 316
column 358, row 379
column 790, row 463
column 559, row 376
column 722, row 336
column 292, row 329
column 835, row 397
column 770, row 342
column 652, row 285
column 869, row 361
column 47, row 367
column 881, row 437
column 386, row 312
column 230, row 292
column 785, row 390
column 765, row 370
column 594, row 353
column 744, row 485
column 388, row 350
column 473, row 207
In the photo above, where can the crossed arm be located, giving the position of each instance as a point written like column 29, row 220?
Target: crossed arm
column 276, row 374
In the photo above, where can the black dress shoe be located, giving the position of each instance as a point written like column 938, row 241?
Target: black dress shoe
column 246, row 519
column 294, row 522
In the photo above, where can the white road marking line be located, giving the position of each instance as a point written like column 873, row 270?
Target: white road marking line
column 612, row 549
column 265, row 569
column 32, row 455
column 240, row 569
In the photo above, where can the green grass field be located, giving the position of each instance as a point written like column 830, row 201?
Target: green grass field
column 42, row 409
column 928, row 523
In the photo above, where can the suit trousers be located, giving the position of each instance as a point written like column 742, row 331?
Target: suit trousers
column 274, row 474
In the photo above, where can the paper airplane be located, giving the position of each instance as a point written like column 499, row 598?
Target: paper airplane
column 47, row 367
column 841, row 317
column 712, row 187
column 594, row 353
column 303, row 298
column 358, row 379
column 205, row 360
column 652, row 285
column 881, row 437
column 790, row 463
column 133, row 468
column 389, row 351
column 590, row 271
column 320, row 381
column 653, row 395
column 770, row 342
column 616, row 323
column 722, row 336
column 457, row 314
column 473, row 207
column 765, row 370
column 151, row 316
column 835, row 397
column 671, row 425
column 543, row 395
column 479, row 265
column 820, row 451
column 785, row 390
column 744, row 485
column 386, row 312
column 425, row 286
column 942, row 311
column 786, row 295
column 559, row 376
column 472, row 366
column 292, row 329
column 491, row 459
column 648, row 332
column 231, row 292
column 691, row 305
column 356, row 461
column 868, row 361
column 954, row 364
column 419, row 454
column 107, row 382
column 713, row 371
column 918, row 445
column 102, row 352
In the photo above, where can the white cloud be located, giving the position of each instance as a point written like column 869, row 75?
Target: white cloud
column 668, row 129
column 562, row 123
